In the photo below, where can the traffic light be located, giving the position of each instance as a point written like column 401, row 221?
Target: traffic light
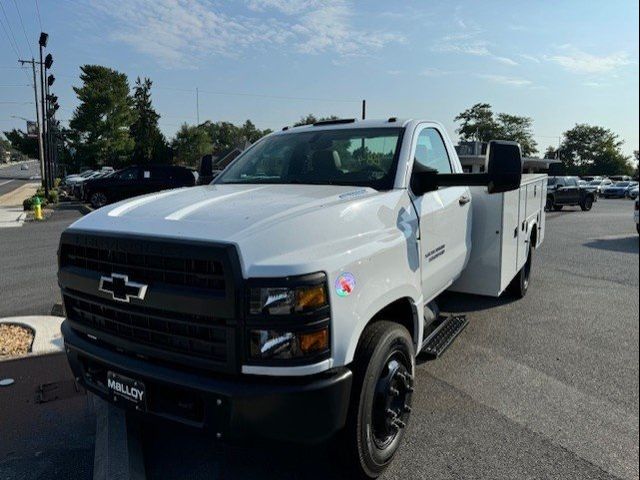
column 50, row 80
column 43, row 40
column 48, row 61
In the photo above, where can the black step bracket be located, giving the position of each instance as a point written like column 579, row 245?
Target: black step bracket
column 444, row 335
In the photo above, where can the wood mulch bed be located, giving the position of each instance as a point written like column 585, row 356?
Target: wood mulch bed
column 15, row 340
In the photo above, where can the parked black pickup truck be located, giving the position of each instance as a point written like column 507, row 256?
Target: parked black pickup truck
column 565, row 191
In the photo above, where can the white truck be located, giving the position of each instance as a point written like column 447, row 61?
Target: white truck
column 289, row 299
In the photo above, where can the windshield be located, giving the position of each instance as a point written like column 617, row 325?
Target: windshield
column 552, row 181
column 358, row 157
column 595, row 182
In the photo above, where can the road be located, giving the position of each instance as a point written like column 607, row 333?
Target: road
column 12, row 176
column 544, row 387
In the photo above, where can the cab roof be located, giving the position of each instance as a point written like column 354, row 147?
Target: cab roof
column 347, row 123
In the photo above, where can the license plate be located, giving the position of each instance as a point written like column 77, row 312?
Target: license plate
column 133, row 391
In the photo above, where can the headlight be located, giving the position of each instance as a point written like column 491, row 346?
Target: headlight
column 287, row 300
column 288, row 320
column 278, row 345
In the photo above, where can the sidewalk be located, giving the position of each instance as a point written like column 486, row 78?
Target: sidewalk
column 11, row 211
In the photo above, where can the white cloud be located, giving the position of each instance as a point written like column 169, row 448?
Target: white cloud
column 531, row 58
column 504, row 80
column 183, row 32
column 505, row 60
column 468, row 43
column 575, row 60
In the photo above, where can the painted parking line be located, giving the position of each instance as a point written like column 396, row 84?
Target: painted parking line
column 5, row 182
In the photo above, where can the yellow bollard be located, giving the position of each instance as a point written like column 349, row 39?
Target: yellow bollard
column 37, row 208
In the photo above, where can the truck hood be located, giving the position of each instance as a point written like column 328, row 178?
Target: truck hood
column 272, row 225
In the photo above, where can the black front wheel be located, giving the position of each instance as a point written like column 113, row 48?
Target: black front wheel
column 380, row 405
column 557, row 208
column 586, row 204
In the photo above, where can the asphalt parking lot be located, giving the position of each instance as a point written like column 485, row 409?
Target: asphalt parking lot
column 544, row 387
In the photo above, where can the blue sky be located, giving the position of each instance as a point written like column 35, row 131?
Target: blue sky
column 559, row 62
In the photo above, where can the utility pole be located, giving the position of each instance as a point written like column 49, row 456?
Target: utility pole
column 43, row 43
column 198, row 105
column 364, row 109
column 38, row 121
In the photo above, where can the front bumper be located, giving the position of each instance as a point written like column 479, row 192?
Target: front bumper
column 306, row 409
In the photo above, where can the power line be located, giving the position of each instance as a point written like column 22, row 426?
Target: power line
column 6, row 32
column 24, row 30
column 15, row 43
column 39, row 18
column 259, row 95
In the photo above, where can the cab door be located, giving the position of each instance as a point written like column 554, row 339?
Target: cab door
column 445, row 215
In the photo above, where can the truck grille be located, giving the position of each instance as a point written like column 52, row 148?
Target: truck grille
column 148, row 268
column 183, row 333
column 189, row 315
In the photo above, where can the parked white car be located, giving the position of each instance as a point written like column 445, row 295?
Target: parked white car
column 289, row 299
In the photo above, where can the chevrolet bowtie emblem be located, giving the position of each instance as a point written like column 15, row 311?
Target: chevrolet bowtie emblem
column 121, row 289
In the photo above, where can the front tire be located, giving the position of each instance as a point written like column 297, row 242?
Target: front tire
column 586, row 204
column 380, row 404
column 557, row 208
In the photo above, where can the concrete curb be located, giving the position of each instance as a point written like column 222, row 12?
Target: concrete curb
column 86, row 209
column 47, row 337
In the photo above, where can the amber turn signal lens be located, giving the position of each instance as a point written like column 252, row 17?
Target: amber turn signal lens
column 314, row 341
column 310, row 297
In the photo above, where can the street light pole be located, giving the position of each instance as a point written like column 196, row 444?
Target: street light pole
column 43, row 43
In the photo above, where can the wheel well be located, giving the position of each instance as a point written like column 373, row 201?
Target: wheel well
column 402, row 311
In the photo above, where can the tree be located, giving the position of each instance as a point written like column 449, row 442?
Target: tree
column 149, row 142
column 588, row 149
column 190, row 144
column 100, row 124
column 518, row 129
column 551, row 152
column 23, row 143
column 479, row 124
column 310, row 119
column 226, row 135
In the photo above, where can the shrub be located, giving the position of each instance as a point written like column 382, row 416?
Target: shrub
column 53, row 196
column 27, row 203
column 56, row 182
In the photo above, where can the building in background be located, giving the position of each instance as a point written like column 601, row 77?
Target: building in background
column 472, row 156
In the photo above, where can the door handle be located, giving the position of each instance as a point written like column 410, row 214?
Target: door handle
column 463, row 200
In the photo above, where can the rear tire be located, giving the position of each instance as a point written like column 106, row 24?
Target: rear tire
column 557, row 208
column 520, row 284
column 586, row 204
column 380, row 403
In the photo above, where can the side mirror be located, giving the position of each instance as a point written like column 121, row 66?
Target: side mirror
column 504, row 172
column 504, row 166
